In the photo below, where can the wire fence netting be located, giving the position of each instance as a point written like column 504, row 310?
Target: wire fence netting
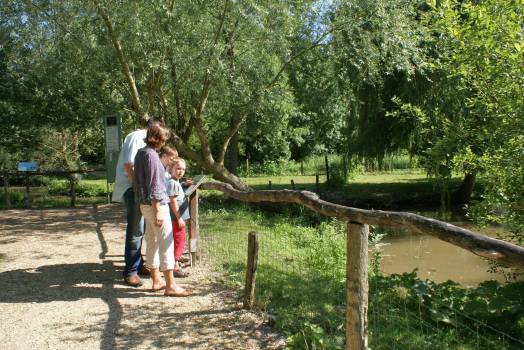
column 301, row 283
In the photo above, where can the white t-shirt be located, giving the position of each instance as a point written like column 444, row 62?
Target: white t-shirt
column 174, row 189
column 132, row 143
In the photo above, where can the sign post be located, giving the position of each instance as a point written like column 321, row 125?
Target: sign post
column 27, row 167
column 113, row 141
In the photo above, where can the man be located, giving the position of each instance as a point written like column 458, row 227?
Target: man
column 123, row 192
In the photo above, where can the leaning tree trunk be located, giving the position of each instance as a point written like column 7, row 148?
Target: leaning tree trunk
column 232, row 159
column 222, row 174
column 463, row 193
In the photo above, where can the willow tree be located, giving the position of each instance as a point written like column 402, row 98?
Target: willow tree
column 379, row 55
column 480, row 50
column 54, row 84
column 202, row 64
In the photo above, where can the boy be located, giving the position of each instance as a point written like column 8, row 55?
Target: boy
column 179, row 211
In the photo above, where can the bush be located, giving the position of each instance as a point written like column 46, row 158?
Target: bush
column 84, row 188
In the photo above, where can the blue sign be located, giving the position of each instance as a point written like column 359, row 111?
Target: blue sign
column 27, row 166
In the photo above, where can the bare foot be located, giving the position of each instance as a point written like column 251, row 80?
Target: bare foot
column 158, row 286
column 177, row 292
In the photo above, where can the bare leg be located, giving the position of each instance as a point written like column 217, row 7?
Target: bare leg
column 158, row 284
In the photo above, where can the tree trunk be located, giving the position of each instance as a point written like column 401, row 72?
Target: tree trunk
column 222, row 174
column 232, row 159
column 463, row 194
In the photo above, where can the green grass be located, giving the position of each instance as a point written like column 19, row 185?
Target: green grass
column 301, row 282
column 400, row 188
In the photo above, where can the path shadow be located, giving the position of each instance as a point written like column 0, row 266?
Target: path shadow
column 63, row 282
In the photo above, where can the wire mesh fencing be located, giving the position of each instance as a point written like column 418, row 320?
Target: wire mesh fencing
column 301, row 285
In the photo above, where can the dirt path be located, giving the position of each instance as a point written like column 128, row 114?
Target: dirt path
column 61, row 288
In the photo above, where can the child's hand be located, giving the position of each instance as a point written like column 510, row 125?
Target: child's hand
column 181, row 223
column 188, row 182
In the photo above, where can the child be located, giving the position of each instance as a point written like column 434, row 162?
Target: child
column 167, row 155
column 179, row 211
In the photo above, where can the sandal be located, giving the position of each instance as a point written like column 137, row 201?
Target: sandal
column 184, row 259
column 180, row 273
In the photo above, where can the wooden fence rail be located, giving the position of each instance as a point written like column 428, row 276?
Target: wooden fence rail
column 493, row 249
column 357, row 245
column 7, row 175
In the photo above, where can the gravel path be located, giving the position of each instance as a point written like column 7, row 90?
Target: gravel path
column 61, row 288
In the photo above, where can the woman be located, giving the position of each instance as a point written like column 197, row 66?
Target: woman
column 150, row 189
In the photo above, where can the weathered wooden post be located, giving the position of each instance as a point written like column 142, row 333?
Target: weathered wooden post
column 6, row 191
column 194, row 229
column 292, row 184
column 357, row 286
column 27, row 198
column 72, row 189
column 251, row 270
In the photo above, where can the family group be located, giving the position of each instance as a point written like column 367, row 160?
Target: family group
column 149, row 181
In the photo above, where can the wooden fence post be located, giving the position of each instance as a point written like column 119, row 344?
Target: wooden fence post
column 194, row 229
column 357, row 286
column 6, row 191
column 72, row 190
column 27, row 192
column 251, row 270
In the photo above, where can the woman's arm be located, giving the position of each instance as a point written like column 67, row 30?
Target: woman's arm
column 159, row 217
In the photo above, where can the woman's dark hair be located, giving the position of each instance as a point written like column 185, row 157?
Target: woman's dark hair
column 157, row 135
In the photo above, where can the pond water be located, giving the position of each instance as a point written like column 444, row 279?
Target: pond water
column 435, row 260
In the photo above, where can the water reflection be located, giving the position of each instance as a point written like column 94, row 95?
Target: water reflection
column 436, row 260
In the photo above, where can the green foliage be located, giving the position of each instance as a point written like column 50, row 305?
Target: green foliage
column 301, row 283
column 16, row 198
column 500, row 306
column 503, row 201
column 379, row 55
column 84, row 188
column 477, row 68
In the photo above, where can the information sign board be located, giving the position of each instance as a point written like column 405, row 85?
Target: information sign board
column 27, row 166
column 113, row 142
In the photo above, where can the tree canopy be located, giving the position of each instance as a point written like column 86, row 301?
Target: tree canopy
column 266, row 81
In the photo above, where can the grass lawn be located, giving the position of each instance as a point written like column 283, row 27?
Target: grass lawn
column 301, row 284
column 401, row 188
